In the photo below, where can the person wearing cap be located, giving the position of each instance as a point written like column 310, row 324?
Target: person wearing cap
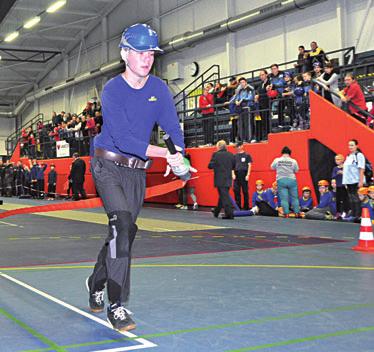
column 306, row 200
column 132, row 102
column 222, row 163
column 240, row 175
column 52, row 182
column 286, row 169
column 342, row 201
column 326, row 208
column 277, row 83
column 364, row 199
column 263, row 201
column 317, row 72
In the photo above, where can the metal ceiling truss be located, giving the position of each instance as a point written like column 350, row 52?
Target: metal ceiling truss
column 27, row 55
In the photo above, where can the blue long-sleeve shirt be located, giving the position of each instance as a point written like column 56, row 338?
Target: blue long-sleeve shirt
column 306, row 203
column 327, row 200
column 258, row 197
column 337, row 176
column 272, row 198
column 129, row 116
column 370, row 205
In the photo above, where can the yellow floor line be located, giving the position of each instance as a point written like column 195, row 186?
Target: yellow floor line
column 266, row 266
column 146, row 224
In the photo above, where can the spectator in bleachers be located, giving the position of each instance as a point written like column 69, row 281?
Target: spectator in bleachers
column 231, row 88
column 330, row 80
column 278, row 83
column 286, row 168
column 240, row 104
column 25, row 142
column 287, row 96
column 85, row 137
column 353, row 178
column 32, row 146
column 342, row 201
column 316, row 54
column 98, row 121
column 263, row 101
column 301, row 104
column 317, row 72
column 353, row 93
column 326, row 209
column 206, row 102
column 302, row 64
column 54, row 118
column 306, row 200
column 210, row 88
column 219, row 93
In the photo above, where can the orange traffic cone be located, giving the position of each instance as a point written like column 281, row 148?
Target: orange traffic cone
column 366, row 241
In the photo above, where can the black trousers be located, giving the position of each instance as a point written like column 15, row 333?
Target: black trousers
column 265, row 209
column 244, row 126
column 208, row 128
column 40, row 188
column 78, row 189
column 122, row 191
column 51, row 190
column 342, row 200
column 241, row 185
column 224, row 201
column 354, row 200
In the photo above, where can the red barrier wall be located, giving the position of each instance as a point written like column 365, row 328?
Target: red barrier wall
column 329, row 125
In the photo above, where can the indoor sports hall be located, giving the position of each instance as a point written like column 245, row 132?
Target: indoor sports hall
column 186, row 175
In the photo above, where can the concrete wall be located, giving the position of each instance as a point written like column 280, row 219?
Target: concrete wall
column 333, row 24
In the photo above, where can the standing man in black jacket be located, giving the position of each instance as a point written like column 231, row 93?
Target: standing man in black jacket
column 52, row 181
column 78, row 170
column 223, row 162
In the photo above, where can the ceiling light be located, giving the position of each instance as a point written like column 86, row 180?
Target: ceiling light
column 11, row 36
column 32, row 22
column 56, row 6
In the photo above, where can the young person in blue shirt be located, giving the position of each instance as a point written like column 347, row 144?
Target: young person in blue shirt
column 263, row 202
column 371, row 202
column 363, row 195
column 132, row 102
column 326, row 209
column 306, row 200
column 342, row 201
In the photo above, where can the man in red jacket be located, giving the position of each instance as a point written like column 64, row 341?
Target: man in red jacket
column 353, row 93
column 206, row 101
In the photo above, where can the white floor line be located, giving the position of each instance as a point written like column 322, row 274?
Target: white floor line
column 9, row 224
column 143, row 342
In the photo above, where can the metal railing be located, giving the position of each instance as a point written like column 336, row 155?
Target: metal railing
column 13, row 138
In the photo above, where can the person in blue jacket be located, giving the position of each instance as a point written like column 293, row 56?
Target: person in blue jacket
column 132, row 102
column 264, row 202
column 371, row 202
column 306, row 200
column 326, row 208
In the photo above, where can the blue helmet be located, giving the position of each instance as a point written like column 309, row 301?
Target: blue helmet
column 140, row 37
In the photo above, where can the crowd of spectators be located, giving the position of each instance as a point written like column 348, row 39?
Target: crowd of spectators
column 341, row 197
column 278, row 100
column 40, row 141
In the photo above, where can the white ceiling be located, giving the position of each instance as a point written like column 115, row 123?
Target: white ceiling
column 59, row 31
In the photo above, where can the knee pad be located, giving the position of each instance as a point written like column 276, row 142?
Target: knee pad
column 122, row 234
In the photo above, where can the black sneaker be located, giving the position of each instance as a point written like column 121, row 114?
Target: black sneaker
column 96, row 300
column 120, row 318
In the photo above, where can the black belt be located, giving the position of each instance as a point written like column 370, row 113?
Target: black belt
column 121, row 160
